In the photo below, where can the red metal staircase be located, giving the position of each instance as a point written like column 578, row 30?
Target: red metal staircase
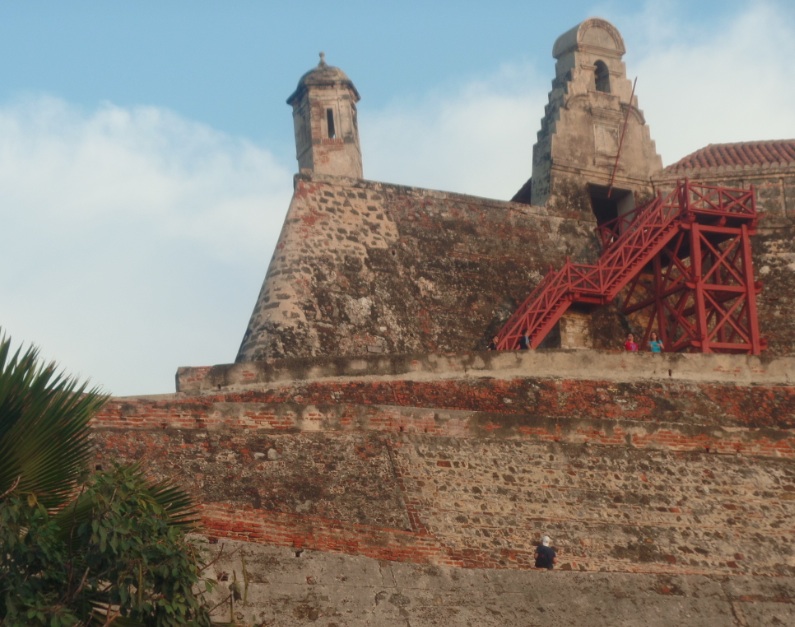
column 687, row 260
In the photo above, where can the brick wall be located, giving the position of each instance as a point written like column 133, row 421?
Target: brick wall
column 628, row 474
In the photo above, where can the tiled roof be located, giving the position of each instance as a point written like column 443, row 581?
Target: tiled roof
column 779, row 152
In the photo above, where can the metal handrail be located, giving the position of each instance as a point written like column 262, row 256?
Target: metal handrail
column 650, row 227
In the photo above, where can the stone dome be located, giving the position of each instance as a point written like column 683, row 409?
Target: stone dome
column 594, row 33
column 323, row 75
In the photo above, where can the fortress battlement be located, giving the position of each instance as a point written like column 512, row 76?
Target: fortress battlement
column 660, row 468
column 561, row 364
column 370, row 464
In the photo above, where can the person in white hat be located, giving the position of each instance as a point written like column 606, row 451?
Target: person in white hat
column 545, row 555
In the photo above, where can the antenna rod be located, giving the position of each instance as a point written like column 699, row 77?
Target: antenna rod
column 621, row 139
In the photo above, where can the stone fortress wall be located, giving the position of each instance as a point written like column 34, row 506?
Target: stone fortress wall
column 363, row 267
column 364, row 462
column 674, row 468
column 305, row 587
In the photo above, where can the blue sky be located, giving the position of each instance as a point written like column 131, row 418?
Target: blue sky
column 146, row 150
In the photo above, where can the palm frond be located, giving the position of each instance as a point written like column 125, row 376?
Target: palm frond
column 44, row 416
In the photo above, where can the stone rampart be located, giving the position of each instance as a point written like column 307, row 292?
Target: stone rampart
column 554, row 364
column 363, row 267
column 630, row 469
column 367, row 267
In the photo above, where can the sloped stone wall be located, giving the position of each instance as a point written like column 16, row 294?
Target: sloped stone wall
column 395, row 489
column 607, row 508
column 363, row 267
column 484, row 502
column 628, row 473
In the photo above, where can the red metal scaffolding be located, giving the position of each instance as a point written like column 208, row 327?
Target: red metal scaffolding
column 681, row 264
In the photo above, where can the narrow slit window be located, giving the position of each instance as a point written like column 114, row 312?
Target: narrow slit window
column 332, row 133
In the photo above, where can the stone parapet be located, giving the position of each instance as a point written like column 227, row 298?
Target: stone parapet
column 557, row 364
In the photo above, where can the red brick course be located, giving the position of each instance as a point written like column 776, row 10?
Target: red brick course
column 646, row 476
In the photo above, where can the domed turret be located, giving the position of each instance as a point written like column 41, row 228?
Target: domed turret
column 326, row 128
column 324, row 75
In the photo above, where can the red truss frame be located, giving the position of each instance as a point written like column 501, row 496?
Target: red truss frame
column 682, row 264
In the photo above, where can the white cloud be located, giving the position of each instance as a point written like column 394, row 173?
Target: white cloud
column 147, row 167
column 134, row 241
column 730, row 79
column 703, row 80
column 476, row 139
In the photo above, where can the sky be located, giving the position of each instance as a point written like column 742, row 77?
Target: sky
column 147, row 152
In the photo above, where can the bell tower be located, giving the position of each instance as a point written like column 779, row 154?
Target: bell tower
column 326, row 129
column 594, row 152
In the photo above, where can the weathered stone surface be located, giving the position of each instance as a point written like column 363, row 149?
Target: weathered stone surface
column 592, row 132
column 618, row 509
column 364, row 267
column 636, row 473
column 348, row 479
column 554, row 364
column 285, row 587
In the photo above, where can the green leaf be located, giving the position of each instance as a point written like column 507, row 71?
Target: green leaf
column 44, row 415
column 74, row 544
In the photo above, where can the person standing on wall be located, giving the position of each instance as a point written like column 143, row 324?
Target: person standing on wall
column 545, row 555
column 655, row 344
column 630, row 345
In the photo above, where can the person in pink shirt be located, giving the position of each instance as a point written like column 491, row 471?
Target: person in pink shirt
column 630, row 345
